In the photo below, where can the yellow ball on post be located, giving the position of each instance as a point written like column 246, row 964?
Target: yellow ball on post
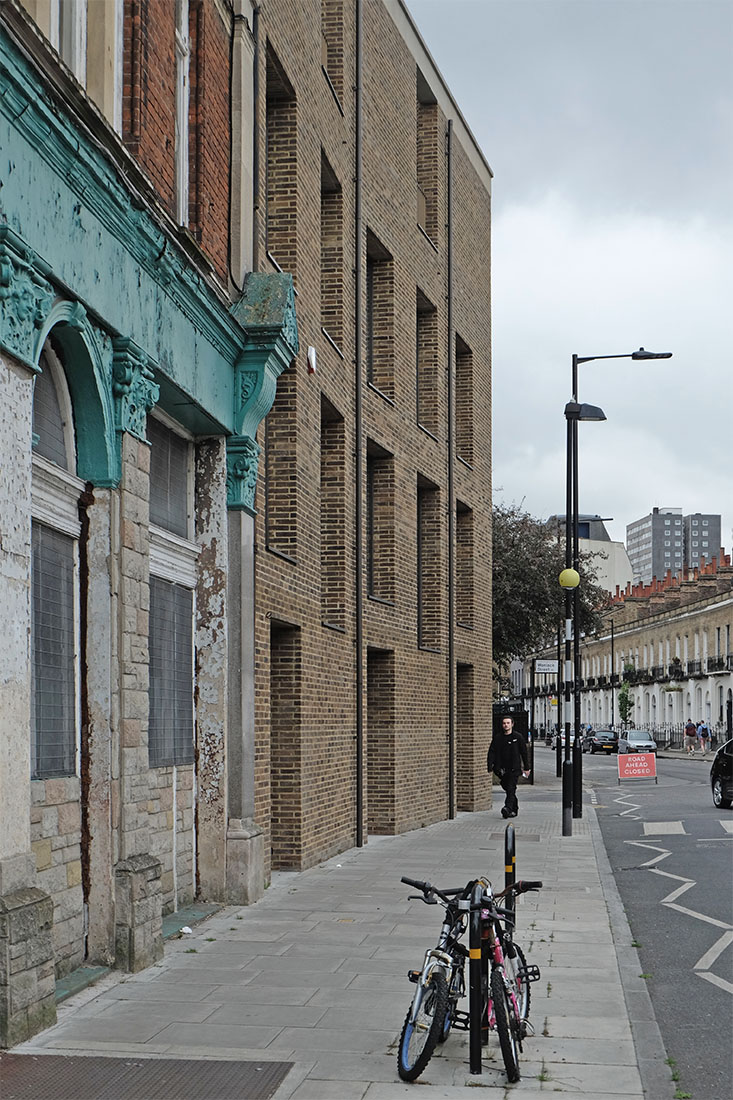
column 569, row 578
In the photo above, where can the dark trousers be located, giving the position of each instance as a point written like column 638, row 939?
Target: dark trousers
column 509, row 783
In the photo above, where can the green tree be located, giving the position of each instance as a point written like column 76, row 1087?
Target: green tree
column 625, row 698
column 528, row 602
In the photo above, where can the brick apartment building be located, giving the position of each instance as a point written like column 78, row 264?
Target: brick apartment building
column 373, row 536
column 229, row 645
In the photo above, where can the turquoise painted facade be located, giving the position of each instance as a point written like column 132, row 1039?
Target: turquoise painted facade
column 82, row 247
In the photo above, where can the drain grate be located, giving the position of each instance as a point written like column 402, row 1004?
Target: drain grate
column 57, row 1077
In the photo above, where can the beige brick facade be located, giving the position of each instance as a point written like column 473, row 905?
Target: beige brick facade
column 416, row 157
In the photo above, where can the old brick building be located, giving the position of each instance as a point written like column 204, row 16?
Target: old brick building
column 136, row 362
column 373, row 527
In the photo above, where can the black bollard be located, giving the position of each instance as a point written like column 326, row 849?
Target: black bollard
column 476, row 1007
column 510, row 864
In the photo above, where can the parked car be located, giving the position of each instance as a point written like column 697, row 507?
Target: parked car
column 721, row 776
column 636, row 741
column 560, row 736
column 600, row 741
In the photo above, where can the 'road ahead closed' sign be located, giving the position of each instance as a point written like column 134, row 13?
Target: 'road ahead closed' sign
column 637, row 765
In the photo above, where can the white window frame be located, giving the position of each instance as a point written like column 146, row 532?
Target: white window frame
column 183, row 96
column 174, row 558
column 55, row 503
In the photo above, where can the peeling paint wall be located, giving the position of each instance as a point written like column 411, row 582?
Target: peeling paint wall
column 211, row 666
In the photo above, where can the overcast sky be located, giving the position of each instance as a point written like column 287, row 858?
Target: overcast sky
column 608, row 126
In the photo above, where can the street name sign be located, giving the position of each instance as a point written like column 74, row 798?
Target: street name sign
column 545, row 667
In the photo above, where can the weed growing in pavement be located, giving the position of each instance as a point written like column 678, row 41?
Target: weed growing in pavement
column 211, row 939
column 543, row 1075
column 635, row 943
column 680, row 1095
column 549, row 988
column 192, row 951
column 645, row 975
column 673, row 1067
column 545, row 1029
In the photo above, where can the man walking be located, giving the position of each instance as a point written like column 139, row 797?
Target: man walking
column 508, row 759
column 690, row 737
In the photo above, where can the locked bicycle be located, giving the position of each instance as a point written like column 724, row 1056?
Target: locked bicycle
column 440, row 984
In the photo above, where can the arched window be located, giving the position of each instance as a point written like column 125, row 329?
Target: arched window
column 54, row 570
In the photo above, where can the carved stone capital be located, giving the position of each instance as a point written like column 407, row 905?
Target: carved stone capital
column 242, row 460
column 135, row 391
column 26, row 297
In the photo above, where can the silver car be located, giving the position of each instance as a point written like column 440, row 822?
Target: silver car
column 636, row 741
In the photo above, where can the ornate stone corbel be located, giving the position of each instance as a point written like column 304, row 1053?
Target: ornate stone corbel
column 242, row 459
column 135, row 391
column 266, row 311
column 26, row 297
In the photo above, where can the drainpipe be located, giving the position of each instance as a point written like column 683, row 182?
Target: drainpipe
column 358, row 441
column 451, row 493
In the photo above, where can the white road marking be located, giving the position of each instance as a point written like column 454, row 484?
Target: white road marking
column 728, row 826
column 663, row 827
column 720, row 982
column 702, row 966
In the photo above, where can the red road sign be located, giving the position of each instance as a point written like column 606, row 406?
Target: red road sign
column 637, row 765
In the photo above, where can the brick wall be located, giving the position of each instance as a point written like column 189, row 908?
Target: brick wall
column 149, row 111
column 405, row 686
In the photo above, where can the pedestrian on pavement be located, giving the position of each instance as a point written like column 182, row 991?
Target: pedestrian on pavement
column 703, row 734
column 508, row 758
column 690, row 737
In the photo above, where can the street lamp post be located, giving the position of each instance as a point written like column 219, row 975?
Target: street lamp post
column 569, row 580
column 613, row 686
column 572, row 790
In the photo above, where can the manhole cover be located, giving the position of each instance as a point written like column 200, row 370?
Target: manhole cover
column 57, row 1077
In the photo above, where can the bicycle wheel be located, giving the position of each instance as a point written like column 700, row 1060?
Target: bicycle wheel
column 507, row 1025
column 516, row 972
column 418, row 1039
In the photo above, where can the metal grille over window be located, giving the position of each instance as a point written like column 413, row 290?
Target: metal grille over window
column 168, row 478
column 171, row 674
column 53, row 692
column 48, row 422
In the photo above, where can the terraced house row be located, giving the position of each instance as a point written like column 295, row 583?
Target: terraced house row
column 245, row 477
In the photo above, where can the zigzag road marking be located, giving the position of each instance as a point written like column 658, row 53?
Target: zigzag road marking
column 704, row 963
column 631, row 806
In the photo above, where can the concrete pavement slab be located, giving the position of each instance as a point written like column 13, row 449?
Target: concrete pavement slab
column 315, row 972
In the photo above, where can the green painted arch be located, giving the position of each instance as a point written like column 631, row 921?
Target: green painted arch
column 89, row 382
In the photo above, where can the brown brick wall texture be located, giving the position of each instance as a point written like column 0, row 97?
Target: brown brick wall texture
column 149, row 111
column 305, row 670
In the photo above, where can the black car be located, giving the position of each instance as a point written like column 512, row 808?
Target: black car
column 721, row 776
column 600, row 741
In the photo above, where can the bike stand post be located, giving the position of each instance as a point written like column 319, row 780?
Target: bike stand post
column 475, row 993
column 510, row 864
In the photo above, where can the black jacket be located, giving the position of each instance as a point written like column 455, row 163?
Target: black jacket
column 507, row 753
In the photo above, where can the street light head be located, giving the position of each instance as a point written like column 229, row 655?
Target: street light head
column 569, row 578
column 642, row 353
column 576, row 411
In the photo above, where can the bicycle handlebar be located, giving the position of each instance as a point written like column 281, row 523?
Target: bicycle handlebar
column 427, row 889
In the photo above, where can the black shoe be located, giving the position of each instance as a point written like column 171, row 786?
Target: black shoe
column 505, row 812
column 512, row 814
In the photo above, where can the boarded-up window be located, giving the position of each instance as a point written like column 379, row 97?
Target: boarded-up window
column 171, row 674
column 169, row 478
column 53, row 677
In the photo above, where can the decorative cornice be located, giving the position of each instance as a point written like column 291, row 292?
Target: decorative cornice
column 135, row 391
column 242, row 460
column 267, row 311
column 26, row 297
